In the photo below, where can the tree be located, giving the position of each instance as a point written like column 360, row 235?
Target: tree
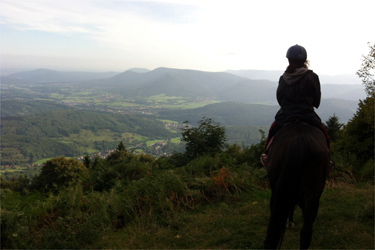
column 87, row 161
column 208, row 138
column 58, row 173
column 357, row 141
column 333, row 127
column 121, row 147
column 118, row 155
column 366, row 72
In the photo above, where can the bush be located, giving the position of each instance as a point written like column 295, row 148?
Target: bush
column 208, row 138
column 59, row 173
column 203, row 166
column 132, row 167
column 19, row 218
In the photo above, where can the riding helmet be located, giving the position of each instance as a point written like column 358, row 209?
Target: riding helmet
column 297, row 52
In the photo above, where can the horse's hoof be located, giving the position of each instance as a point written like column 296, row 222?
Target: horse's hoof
column 290, row 225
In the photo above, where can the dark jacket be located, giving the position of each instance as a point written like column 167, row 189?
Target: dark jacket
column 298, row 93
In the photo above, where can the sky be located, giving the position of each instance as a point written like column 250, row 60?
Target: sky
column 115, row 35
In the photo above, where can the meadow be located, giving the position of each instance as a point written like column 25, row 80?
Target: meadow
column 345, row 221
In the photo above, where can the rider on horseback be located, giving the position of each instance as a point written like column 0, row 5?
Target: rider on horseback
column 297, row 94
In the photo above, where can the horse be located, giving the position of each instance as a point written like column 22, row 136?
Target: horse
column 298, row 165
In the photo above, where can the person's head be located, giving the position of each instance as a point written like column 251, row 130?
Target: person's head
column 297, row 57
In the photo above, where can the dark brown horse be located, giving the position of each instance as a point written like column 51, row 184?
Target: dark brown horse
column 298, row 168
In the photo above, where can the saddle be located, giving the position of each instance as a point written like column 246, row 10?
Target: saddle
column 294, row 119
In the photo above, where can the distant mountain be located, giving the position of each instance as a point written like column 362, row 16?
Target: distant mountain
column 226, row 113
column 343, row 109
column 219, row 85
column 340, row 79
column 274, row 75
column 194, row 84
column 241, row 114
column 139, row 70
column 52, row 76
column 343, row 91
column 172, row 82
column 271, row 75
column 251, row 91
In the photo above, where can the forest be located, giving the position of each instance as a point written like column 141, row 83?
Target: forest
column 26, row 139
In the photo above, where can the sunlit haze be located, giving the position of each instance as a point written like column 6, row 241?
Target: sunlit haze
column 106, row 35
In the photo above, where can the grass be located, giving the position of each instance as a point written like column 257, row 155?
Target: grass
column 87, row 138
column 169, row 121
column 176, row 140
column 42, row 161
column 10, row 170
column 149, row 143
column 345, row 220
column 47, row 159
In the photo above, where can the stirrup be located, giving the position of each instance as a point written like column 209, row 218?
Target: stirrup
column 331, row 165
column 263, row 160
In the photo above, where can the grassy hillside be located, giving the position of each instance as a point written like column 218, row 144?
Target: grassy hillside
column 345, row 221
column 130, row 201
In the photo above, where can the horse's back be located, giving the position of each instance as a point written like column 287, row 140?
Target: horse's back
column 301, row 149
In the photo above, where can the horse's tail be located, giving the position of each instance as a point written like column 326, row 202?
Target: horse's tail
column 295, row 157
column 288, row 185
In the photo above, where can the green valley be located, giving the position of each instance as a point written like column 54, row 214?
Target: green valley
column 49, row 113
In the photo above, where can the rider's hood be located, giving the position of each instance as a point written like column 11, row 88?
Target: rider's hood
column 291, row 78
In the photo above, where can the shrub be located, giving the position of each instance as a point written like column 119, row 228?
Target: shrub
column 132, row 167
column 203, row 166
column 208, row 138
column 59, row 173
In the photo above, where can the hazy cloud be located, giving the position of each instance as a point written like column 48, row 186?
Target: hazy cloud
column 189, row 34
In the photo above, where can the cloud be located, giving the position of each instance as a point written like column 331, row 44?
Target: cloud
column 86, row 16
column 190, row 33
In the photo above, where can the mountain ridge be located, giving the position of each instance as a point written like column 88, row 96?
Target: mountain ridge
column 42, row 75
column 185, row 83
